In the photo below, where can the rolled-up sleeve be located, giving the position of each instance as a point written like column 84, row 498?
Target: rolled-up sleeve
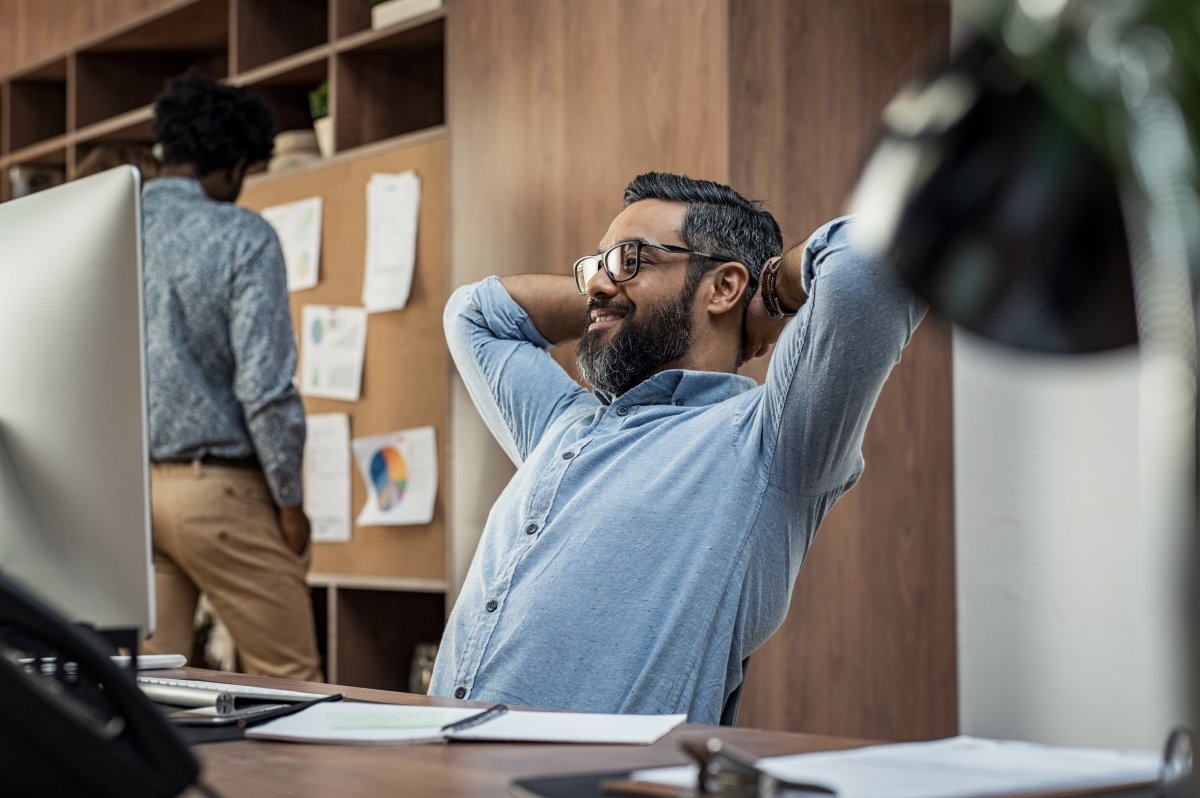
column 831, row 362
column 516, row 385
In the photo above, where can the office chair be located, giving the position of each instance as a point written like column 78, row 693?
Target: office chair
column 729, row 712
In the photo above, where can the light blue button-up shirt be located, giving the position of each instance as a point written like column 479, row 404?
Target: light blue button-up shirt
column 648, row 543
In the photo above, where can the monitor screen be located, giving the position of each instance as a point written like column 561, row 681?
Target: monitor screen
column 74, row 495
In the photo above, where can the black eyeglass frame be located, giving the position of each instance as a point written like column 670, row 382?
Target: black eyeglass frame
column 581, row 282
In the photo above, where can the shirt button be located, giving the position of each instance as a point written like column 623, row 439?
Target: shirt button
column 460, row 692
column 622, row 411
column 568, row 455
column 492, row 605
column 529, row 530
column 679, row 403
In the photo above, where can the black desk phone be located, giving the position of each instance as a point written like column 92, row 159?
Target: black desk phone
column 80, row 727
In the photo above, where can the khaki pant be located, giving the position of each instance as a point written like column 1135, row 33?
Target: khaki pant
column 216, row 532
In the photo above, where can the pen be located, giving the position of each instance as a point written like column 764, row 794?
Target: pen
column 283, row 711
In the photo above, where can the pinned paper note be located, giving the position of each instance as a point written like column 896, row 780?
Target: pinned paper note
column 393, row 203
column 327, row 477
column 400, row 472
column 333, row 345
column 298, row 225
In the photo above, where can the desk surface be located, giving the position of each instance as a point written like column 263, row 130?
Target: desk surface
column 260, row 769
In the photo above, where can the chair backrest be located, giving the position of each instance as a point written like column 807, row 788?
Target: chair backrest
column 729, row 712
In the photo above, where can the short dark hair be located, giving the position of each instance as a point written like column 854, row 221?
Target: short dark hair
column 719, row 221
column 211, row 126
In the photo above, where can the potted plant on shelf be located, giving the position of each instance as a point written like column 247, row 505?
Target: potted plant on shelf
column 318, row 104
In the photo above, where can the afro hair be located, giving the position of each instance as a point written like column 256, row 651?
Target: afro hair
column 210, row 125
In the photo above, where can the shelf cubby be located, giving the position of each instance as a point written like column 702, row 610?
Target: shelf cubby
column 351, row 16
column 392, row 79
column 378, row 631
column 284, row 86
column 36, row 105
column 269, row 30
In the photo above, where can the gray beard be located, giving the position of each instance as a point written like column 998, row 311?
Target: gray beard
column 640, row 348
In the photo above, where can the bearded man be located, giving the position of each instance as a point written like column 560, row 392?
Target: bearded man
column 650, row 538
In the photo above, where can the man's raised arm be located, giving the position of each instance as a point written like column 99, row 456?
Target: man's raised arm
column 553, row 303
column 498, row 336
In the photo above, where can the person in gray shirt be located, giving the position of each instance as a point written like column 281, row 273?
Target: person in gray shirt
column 226, row 423
column 650, row 538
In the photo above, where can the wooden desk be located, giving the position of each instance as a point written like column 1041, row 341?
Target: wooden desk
column 259, row 769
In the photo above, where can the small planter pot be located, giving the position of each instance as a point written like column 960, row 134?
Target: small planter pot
column 324, row 130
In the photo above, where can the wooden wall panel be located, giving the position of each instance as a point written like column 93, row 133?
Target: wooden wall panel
column 869, row 645
column 552, row 107
column 32, row 30
column 550, row 113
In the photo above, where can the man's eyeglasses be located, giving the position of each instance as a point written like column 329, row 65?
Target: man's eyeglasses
column 623, row 260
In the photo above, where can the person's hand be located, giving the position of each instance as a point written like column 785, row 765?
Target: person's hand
column 761, row 330
column 293, row 523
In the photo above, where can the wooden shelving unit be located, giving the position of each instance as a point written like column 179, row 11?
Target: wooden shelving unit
column 383, row 83
column 387, row 96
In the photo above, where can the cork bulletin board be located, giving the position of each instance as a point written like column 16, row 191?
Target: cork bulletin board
column 405, row 378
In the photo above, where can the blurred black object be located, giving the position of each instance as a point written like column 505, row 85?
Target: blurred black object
column 1019, row 186
column 1011, row 224
column 1042, row 189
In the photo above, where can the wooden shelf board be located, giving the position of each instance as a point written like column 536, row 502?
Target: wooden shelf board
column 114, row 128
column 298, row 69
column 182, row 26
column 408, row 139
column 48, row 69
column 397, row 583
column 36, row 153
column 408, row 33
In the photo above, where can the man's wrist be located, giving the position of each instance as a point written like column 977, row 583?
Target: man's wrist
column 789, row 293
column 774, row 284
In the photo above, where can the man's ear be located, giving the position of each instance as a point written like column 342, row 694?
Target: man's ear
column 727, row 284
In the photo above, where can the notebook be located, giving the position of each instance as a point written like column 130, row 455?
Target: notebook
column 351, row 722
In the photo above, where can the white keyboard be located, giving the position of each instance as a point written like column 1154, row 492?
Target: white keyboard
column 236, row 690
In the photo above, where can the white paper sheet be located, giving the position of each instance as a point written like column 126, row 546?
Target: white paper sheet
column 327, row 477
column 400, row 473
column 298, row 225
column 393, row 208
column 334, row 341
column 950, row 768
column 358, row 723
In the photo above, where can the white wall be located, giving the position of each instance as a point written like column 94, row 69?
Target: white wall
column 1068, row 615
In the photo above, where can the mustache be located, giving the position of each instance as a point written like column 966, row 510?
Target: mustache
column 605, row 303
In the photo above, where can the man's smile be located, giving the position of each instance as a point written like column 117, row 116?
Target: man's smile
column 605, row 316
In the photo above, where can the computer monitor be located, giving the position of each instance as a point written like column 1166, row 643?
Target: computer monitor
column 74, row 485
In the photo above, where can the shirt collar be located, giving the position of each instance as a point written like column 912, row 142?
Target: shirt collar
column 188, row 186
column 681, row 387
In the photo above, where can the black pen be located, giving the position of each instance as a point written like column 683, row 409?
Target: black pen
column 284, row 711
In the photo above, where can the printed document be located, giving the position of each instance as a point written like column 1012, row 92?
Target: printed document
column 327, row 477
column 400, row 472
column 333, row 345
column 950, row 768
column 298, row 225
column 393, row 203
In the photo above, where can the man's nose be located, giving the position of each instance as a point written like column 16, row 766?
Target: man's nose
column 602, row 285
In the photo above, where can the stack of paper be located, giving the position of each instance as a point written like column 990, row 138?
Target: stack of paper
column 950, row 768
